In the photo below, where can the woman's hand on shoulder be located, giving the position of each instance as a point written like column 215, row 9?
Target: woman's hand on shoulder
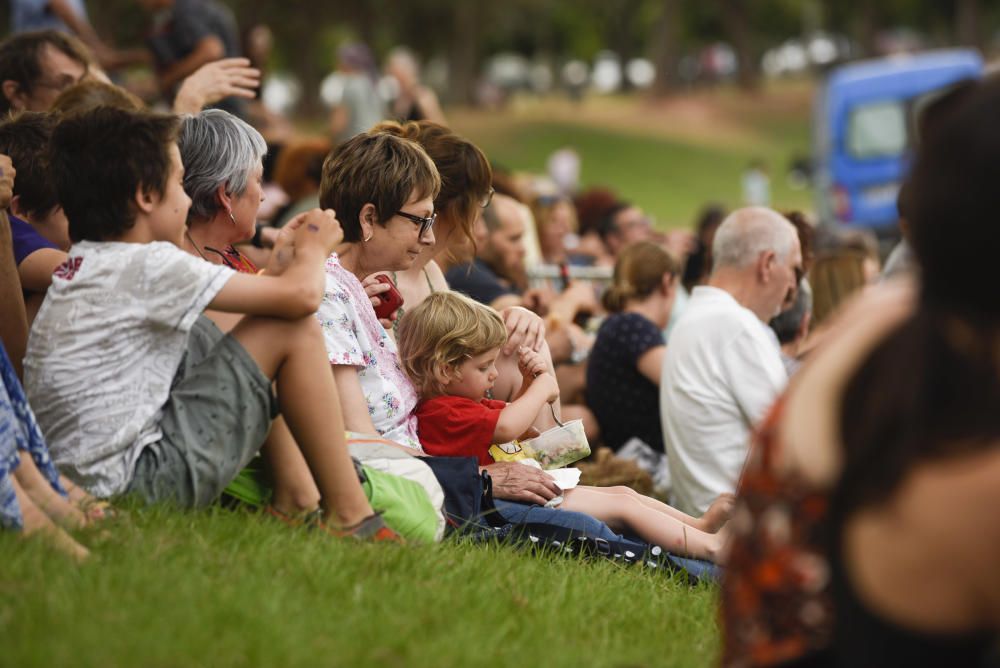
column 524, row 328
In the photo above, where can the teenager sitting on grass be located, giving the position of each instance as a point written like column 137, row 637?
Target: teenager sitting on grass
column 449, row 345
column 137, row 392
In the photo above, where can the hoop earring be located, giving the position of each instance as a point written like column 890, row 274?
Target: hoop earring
column 232, row 217
column 369, row 237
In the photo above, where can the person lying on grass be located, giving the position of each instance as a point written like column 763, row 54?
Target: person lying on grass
column 135, row 390
column 449, row 345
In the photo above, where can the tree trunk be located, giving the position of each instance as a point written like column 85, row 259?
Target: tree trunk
column 665, row 48
column 463, row 63
column 867, row 28
column 967, row 23
column 736, row 23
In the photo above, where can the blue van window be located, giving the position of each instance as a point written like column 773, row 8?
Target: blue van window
column 877, row 130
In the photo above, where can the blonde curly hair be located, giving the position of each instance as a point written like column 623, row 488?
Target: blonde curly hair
column 444, row 330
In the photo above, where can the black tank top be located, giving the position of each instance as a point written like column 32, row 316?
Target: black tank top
column 862, row 638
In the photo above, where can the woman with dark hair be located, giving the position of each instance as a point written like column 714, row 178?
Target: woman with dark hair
column 465, row 191
column 866, row 527
column 623, row 376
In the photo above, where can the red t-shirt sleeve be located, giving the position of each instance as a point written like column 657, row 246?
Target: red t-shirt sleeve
column 458, row 427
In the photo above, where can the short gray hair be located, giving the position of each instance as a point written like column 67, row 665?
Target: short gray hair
column 748, row 232
column 217, row 149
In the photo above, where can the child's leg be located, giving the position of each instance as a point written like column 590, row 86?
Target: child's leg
column 713, row 519
column 624, row 510
column 294, row 488
column 293, row 353
column 46, row 499
column 35, row 520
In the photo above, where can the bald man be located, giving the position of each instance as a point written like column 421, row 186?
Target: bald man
column 723, row 369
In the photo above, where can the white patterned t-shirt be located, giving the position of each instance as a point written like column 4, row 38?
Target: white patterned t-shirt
column 355, row 338
column 104, row 350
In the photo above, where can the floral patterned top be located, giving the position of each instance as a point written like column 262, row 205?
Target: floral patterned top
column 18, row 431
column 354, row 337
column 776, row 603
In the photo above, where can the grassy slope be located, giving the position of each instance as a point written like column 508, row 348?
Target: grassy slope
column 671, row 158
column 220, row 588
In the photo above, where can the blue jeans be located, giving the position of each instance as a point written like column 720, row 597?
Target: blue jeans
column 521, row 513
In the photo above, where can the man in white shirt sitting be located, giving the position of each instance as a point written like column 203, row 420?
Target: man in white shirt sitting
column 723, row 366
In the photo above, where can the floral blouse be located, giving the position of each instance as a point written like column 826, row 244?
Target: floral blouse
column 776, row 604
column 354, row 337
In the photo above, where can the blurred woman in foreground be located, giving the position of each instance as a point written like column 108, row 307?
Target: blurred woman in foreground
column 866, row 532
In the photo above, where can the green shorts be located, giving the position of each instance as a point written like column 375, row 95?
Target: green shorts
column 219, row 413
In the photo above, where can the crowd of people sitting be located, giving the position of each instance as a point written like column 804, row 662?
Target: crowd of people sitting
column 385, row 324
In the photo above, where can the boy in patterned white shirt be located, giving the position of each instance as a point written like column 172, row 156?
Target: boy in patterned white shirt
column 135, row 390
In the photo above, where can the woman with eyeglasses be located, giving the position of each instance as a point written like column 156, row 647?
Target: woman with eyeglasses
column 466, row 189
column 382, row 188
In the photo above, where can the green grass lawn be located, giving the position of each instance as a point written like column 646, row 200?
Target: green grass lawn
column 646, row 154
column 218, row 588
column 221, row 588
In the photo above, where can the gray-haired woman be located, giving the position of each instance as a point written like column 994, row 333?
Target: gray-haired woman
column 222, row 157
column 223, row 169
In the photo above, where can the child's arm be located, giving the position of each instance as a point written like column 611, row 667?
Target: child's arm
column 293, row 283
column 36, row 270
column 519, row 414
column 531, row 365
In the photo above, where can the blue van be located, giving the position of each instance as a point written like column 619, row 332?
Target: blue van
column 862, row 132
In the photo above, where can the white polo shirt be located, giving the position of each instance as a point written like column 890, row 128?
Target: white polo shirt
column 721, row 373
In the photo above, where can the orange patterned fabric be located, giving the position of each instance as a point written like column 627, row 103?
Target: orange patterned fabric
column 776, row 604
column 234, row 259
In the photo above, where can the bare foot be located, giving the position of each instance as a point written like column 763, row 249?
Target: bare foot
column 718, row 513
column 49, row 501
column 719, row 548
column 37, row 522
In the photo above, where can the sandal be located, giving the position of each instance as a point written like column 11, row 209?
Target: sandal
column 97, row 511
column 307, row 518
column 372, row 528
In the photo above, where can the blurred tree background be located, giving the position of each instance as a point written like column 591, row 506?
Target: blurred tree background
column 465, row 33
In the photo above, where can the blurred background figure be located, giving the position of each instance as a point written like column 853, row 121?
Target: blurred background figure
column 555, row 221
column 699, row 262
column 846, row 265
column 186, row 34
column 756, row 184
column 357, row 105
column 563, row 167
column 792, row 327
column 70, row 16
column 298, row 171
column 36, row 67
column 626, row 362
column 411, row 100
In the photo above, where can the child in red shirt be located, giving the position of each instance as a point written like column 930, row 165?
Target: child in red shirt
column 448, row 345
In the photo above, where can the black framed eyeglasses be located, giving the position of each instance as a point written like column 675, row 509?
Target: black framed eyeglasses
column 487, row 198
column 425, row 223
